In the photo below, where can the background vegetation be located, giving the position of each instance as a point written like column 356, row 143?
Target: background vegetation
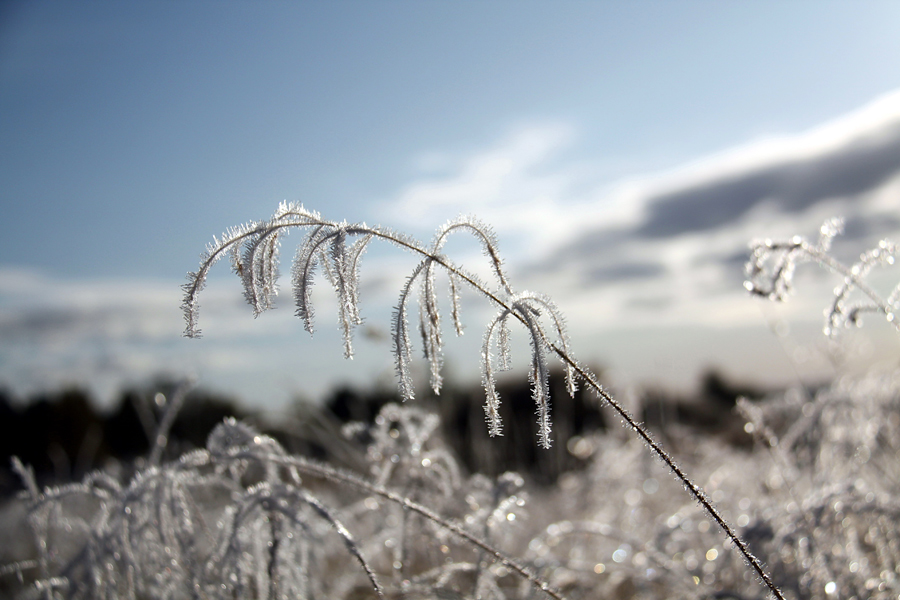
column 419, row 501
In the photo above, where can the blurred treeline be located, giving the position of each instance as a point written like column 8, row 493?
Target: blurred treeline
column 64, row 435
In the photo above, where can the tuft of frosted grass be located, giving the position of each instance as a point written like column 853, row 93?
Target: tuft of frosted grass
column 254, row 250
column 238, row 519
column 326, row 244
column 817, row 497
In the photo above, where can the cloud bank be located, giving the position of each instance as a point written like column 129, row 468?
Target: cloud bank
column 841, row 160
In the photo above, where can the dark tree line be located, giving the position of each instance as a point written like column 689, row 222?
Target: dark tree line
column 63, row 435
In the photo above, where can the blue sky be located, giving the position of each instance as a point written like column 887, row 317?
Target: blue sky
column 625, row 153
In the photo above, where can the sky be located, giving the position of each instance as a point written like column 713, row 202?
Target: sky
column 624, row 153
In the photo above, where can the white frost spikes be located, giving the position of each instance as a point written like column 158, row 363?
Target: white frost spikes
column 337, row 248
column 527, row 307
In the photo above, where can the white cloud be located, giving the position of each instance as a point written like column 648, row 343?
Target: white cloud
column 872, row 127
column 509, row 186
column 839, row 160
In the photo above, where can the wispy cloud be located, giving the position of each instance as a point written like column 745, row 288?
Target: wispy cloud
column 711, row 207
column 514, row 185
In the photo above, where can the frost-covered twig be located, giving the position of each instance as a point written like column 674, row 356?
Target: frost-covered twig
column 771, row 267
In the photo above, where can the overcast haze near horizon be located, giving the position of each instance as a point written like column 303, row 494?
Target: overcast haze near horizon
column 624, row 153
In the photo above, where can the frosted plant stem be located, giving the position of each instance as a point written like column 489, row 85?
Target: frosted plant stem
column 772, row 264
column 693, row 489
column 161, row 439
column 525, row 307
column 841, row 269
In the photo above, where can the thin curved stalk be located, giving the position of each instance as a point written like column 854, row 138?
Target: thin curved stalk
column 693, row 489
column 519, row 306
